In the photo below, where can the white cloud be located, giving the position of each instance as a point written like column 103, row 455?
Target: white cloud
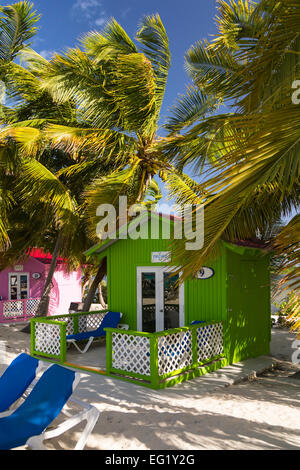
column 100, row 21
column 91, row 11
column 47, row 54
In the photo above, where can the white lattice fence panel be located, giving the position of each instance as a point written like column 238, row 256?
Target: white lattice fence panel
column 174, row 352
column 13, row 309
column 209, row 341
column 47, row 338
column 31, row 306
column 70, row 324
column 90, row 322
column 131, row 353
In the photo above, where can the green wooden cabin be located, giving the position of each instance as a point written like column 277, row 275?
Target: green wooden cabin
column 234, row 289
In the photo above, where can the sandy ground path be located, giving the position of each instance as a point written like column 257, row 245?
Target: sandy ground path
column 263, row 413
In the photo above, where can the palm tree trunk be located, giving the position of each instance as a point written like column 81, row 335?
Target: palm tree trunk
column 144, row 186
column 91, row 294
column 43, row 306
column 87, row 280
column 101, row 300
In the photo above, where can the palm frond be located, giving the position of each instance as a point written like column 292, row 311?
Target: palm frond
column 17, row 27
column 153, row 36
column 110, row 42
column 288, row 242
column 106, row 143
column 38, row 185
column 134, row 93
column 239, row 24
column 152, row 195
column 107, row 190
column 183, row 189
column 215, row 72
column 30, row 140
column 190, row 108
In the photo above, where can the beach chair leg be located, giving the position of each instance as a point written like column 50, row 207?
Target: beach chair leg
column 91, row 422
column 90, row 414
column 36, row 443
column 82, row 351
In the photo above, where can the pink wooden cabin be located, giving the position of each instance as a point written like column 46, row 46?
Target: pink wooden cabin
column 21, row 287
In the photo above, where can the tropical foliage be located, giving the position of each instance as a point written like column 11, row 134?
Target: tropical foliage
column 37, row 190
column 248, row 152
column 108, row 95
column 117, row 90
column 17, row 27
column 67, row 131
column 83, row 128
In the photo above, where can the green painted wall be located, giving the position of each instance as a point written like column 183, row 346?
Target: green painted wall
column 123, row 259
column 248, row 292
column 206, row 299
column 238, row 293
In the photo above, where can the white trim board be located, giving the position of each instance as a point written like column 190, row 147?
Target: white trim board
column 159, row 296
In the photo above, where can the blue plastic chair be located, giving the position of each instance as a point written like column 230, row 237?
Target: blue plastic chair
column 16, row 379
column 110, row 320
column 27, row 424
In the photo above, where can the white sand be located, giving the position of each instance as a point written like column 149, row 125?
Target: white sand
column 261, row 414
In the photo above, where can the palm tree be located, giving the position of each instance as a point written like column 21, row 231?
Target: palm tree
column 118, row 89
column 287, row 243
column 51, row 181
column 17, row 27
column 249, row 154
column 42, row 178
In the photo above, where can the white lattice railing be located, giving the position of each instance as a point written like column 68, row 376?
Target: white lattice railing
column 174, row 352
column 17, row 310
column 186, row 348
column 90, row 321
column 209, row 341
column 48, row 335
column 151, row 357
column 158, row 356
column 131, row 353
column 47, row 339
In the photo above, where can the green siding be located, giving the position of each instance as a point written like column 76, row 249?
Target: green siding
column 249, row 329
column 206, row 299
column 238, row 294
column 123, row 259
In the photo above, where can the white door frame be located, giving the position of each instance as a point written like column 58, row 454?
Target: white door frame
column 159, row 295
column 18, row 275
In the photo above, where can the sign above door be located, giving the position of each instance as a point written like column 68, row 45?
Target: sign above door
column 18, row 267
column 161, row 257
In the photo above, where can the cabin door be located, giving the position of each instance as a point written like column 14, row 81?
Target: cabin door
column 160, row 301
column 18, row 286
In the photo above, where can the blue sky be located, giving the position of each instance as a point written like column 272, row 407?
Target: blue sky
column 65, row 21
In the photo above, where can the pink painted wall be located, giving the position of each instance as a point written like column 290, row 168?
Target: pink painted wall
column 66, row 289
column 66, row 286
column 30, row 266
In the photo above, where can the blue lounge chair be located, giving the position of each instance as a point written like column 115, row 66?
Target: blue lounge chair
column 110, row 320
column 28, row 423
column 16, row 379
